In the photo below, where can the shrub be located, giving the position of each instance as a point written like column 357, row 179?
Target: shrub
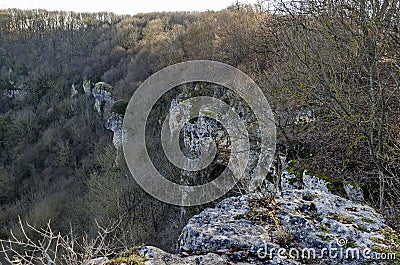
column 119, row 107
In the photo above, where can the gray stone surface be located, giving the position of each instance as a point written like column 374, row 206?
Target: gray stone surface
column 242, row 228
column 302, row 225
column 114, row 123
column 305, row 216
column 103, row 103
column 97, row 261
column 103, row 97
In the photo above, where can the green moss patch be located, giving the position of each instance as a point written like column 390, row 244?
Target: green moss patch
column 362, row 228
column 351, row 244
column 129, row 257
column 334, row 186
column 296, row 170
column 368, row 221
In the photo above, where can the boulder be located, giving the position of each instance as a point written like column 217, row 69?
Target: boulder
column 300, row 224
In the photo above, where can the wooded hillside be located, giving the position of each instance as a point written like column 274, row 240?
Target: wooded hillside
column 330, row 70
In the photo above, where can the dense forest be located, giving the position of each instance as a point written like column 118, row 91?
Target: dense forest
column 335, row 64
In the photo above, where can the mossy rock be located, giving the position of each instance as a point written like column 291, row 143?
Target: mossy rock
column 368, row 221
column 102, row 86
column 309, row 196
column 87, row 83
column 297, row 179
column 292, row 163
column 129, row 257
column 351, row 244
column 363, row 228
column 344, row 219
column 334, row 186
column 293, row 168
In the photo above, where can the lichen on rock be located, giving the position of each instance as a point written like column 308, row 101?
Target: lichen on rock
column 307, row 218
column 112, row 111
column 114, row 123
column 252, row 229
column 102, row 93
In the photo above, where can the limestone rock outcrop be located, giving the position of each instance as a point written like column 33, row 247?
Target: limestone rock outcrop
column 299, row 225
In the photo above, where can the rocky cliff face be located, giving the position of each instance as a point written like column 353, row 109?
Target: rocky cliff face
column 310, row 220
column 104, row 100
column 304, row 225
column 114, row 123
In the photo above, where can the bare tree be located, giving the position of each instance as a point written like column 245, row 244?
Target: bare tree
column 343, row 58
column 51, row 247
